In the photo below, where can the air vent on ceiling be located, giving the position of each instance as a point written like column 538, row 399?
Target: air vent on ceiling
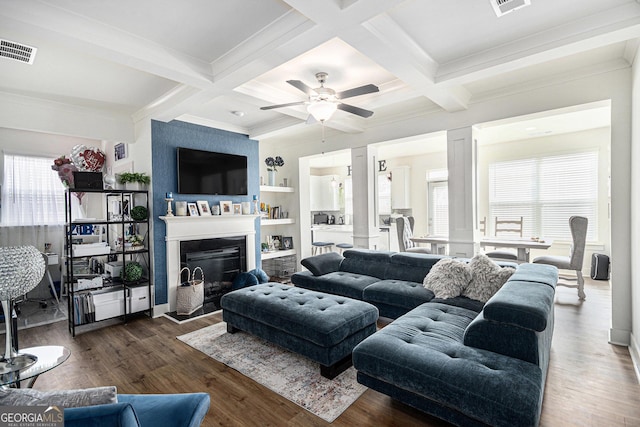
column 17, row 51
column 502, row 7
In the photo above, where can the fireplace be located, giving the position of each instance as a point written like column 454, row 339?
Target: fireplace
column 220, row 259
column 184, row 229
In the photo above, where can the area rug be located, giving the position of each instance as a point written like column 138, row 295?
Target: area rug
column 290, row 375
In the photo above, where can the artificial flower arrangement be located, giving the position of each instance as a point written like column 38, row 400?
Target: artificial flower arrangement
column 272, row 163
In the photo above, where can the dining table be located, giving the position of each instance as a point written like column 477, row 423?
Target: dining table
column 523, row 246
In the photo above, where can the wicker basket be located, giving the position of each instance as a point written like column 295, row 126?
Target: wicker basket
column 190, row 294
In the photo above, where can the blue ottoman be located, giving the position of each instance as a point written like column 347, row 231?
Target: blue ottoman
column 323, row 327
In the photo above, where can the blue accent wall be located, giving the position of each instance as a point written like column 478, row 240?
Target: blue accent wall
column 165, row 138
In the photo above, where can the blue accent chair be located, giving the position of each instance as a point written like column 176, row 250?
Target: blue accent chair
column 143, row 410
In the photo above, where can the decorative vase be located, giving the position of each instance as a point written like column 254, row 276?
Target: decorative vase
column 134, row 186
column 272, row 177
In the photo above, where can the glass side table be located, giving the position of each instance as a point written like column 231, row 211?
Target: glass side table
column 49, row 357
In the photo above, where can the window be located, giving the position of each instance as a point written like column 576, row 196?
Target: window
column 546, row 191
column 438, row 202
column 384, row 194
column 348, row 196
column 32, row 193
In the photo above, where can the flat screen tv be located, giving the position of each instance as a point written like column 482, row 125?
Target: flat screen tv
column 207, row 172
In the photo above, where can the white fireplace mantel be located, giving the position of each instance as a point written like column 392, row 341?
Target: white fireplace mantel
column 181, row 228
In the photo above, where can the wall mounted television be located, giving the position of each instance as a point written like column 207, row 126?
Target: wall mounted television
column 207, row 172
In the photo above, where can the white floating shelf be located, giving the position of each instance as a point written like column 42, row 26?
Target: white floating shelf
column 277, row 221
column 277, row 254
column 276, row 189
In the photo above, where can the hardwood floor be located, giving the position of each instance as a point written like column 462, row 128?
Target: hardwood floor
column 590, row 382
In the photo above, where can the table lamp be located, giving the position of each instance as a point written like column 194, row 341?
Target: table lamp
column 21, row 269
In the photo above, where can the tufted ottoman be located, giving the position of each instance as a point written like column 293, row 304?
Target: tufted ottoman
column 322, row 327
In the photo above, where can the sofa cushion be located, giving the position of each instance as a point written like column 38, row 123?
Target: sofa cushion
column 447, row 278
column 412, row 267
column 509, row 340
column 463, row 302
column 397, row 293
column 117, row 414
column 537, row 273
column 486, row 278
column 365, row 261
column 339, row 283
column 169, row 410
column 62, row 398
column 323, row 263
column 524, row 304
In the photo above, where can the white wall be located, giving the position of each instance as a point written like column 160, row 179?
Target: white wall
column 635, row 219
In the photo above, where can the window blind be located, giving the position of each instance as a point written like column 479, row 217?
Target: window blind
column 32, row 193
column 546, row 191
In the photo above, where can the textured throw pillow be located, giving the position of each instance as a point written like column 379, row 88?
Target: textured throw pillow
column 62, row 398
column 447, row 278
column 243, row 280
column 260, row 275
column 487, row 278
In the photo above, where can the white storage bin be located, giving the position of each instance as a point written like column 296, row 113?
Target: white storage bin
column 91, row 249
column 108, row 304
column 138, row 299
column 113, row 268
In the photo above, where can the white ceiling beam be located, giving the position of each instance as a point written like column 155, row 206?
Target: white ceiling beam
column 275, row 128
column 366, row 26
column 103, row 41
column 615, row 25
column 395, row 50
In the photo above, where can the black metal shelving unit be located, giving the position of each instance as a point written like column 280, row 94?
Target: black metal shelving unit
column 128, row 298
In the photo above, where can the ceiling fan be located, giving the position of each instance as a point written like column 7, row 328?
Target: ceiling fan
column 324, row 101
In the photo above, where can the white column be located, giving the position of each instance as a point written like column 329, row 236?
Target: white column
column 365, row 185
column 461, row 161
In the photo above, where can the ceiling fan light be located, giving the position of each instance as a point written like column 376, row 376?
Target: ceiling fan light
column 322, row 110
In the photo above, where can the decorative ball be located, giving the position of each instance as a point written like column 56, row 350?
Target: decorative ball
column 132, row 272
column 139, row 213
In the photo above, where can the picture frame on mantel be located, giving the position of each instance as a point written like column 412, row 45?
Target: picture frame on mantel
column 203, row 208
column 193, row 209
column 226, row 207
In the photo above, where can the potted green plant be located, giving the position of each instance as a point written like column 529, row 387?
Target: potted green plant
column 134, row 180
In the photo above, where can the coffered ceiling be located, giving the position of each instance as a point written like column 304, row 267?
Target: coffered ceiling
column 201, row 60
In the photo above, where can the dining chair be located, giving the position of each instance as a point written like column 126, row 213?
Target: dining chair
column 509, row 227
column 578, row 226
column 404, row 227
column 482, row 226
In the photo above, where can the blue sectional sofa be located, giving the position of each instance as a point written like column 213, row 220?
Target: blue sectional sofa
column 464, row 361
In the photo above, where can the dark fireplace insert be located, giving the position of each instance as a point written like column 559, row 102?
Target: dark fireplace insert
column 220, row 259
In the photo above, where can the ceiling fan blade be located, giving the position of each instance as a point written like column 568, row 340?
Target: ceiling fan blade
column 291, row 104
column 357, row 91
column 301, row 86
column 355, row 110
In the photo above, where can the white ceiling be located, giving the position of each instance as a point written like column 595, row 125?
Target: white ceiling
column 199, row 60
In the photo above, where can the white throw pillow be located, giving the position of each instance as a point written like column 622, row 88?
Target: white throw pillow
column 447, row 278
column 63, row 398
column 487, row 278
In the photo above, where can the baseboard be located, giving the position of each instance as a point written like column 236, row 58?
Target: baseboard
column 619, row 337
column 634, row 350
column 160, row 309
